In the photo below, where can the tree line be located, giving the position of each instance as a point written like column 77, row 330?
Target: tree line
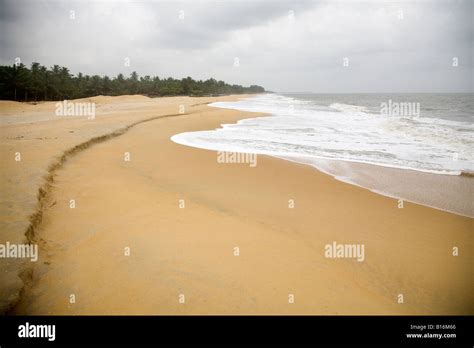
column 39, row 83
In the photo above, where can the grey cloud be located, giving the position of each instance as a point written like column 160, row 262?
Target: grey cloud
column 386, row 54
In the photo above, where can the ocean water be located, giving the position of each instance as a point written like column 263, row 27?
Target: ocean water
column 438, row 139
column 426, row 133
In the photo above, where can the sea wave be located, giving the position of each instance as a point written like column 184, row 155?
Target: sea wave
column 341, row 131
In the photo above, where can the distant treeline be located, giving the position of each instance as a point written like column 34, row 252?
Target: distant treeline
column 38, row 83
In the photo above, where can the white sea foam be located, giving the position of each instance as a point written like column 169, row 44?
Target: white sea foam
column 341, row 132
column 309, row 132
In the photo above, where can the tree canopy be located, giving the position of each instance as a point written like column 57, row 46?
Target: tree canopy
column 39, row 83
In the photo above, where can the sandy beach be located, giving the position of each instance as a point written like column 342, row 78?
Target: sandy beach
column 43, row 140
column 173, row 231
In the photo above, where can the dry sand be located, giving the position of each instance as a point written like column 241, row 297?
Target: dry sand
column 190, row 251
column 41, row 138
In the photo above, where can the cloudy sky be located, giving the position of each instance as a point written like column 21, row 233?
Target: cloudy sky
column 285, row 46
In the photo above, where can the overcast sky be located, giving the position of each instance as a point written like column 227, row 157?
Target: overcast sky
column 285, row 46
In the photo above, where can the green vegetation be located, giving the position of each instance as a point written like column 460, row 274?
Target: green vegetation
column 17, row 82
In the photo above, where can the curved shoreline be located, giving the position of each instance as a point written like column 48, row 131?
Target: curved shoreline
column 190, row 250
column 452, row 193
column 352, row 176
column 440, row 181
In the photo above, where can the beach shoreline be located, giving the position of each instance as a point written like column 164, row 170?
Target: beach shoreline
column 449, row 193
column 310, row 136
column 190, row 250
